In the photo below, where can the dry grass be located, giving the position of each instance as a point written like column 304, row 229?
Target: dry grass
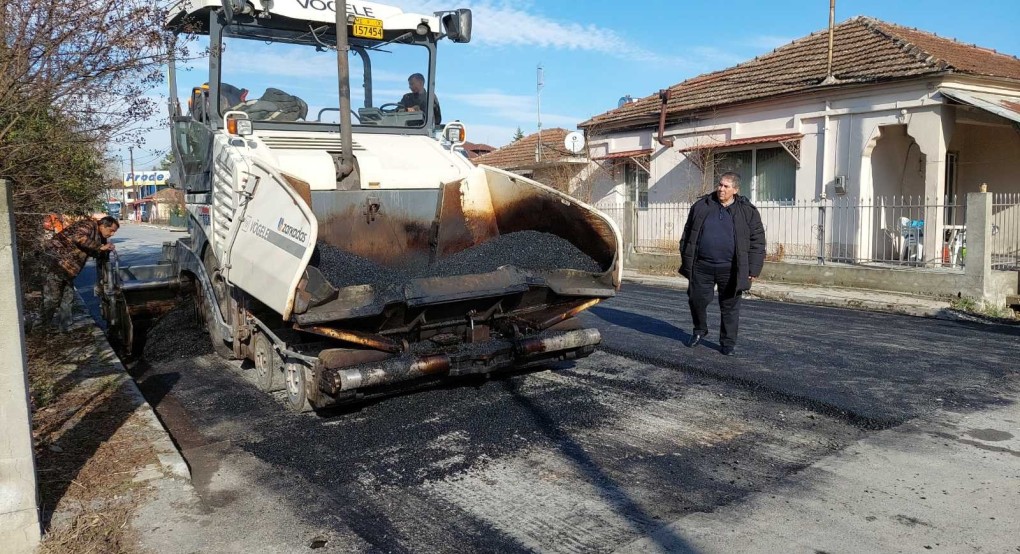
column 776, row 254
column 88, row 445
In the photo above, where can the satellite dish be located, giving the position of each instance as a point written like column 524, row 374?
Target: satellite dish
column 574, row 142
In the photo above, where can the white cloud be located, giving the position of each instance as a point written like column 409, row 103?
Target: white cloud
column 512, row 107
column 499, row 23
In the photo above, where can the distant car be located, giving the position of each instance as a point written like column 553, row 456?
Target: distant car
column 113, row 209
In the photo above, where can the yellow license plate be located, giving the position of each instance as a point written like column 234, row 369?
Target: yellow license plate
column 366, row 27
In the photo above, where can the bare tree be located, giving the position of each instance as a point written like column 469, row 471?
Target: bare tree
column 92, row 62
column 74, row 78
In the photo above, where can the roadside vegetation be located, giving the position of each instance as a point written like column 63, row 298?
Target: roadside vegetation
column 76, row 78
column 987, row 310
column 90, row 446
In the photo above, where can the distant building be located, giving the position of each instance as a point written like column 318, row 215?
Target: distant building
column 549, row 163
column 473, row 149
column 902, row 113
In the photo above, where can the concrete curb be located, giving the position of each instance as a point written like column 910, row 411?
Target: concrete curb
column 166, row 451
column 163, row 227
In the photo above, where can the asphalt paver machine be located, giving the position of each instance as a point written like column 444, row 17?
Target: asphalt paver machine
column 337, row 238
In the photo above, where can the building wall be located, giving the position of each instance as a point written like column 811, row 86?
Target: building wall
column 987, row 154
column 897, row 166
column 831, row 145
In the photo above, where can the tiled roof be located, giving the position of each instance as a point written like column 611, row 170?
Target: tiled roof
column 475, row 149
column 166, row 196
column 865, row 50
column 625, row 155
column 521, row 153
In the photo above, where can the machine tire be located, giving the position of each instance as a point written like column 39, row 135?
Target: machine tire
column 296, row 387
column 268, row 373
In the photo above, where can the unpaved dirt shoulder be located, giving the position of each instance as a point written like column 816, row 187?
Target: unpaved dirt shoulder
column 98, row 446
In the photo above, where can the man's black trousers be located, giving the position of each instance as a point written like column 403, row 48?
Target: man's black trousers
column 704, row 279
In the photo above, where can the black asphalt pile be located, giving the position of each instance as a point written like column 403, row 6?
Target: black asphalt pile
column 177, row 335
column 524, row 249
column 343, row 269
column 527, row 250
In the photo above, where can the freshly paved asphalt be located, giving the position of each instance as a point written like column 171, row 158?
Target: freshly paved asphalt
column 590, row 457
column 874, row 369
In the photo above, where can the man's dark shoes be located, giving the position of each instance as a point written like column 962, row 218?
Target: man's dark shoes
column 726, row 350
column 694, row 340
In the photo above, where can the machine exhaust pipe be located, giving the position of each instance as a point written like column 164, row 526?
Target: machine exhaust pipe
column 388, row 371
column 567, row 341
column 403, row 368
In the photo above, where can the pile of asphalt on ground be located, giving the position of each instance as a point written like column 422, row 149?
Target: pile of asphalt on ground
column 177, row 335
column 526, row 250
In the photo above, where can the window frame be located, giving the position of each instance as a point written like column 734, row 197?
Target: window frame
column 752, row 184
column 639, row 196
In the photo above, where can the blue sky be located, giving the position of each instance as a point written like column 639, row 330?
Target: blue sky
column 593, row 52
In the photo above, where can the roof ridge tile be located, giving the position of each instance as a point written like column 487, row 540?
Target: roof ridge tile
column 905, row 45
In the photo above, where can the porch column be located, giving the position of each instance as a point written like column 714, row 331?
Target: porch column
column 978, row 263
column 932, row 129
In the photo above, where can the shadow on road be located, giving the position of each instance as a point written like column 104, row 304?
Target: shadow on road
column 645, row 324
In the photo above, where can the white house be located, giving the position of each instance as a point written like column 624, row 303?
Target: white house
column 899, row 112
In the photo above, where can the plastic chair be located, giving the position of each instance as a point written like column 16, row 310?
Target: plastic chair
column 911, row 245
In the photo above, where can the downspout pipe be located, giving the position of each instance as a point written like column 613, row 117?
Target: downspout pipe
column 346, row 165
column 664, row 97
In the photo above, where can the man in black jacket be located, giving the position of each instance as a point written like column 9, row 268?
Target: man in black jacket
column 723, row 245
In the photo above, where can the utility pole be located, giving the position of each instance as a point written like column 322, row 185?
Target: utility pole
column 134, row 183
column 538, row 145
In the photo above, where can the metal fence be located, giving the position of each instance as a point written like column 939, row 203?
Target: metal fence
column 888, row 231
column 1005, row 245
column 900, row 230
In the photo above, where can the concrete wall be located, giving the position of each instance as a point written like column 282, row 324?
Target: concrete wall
column 987, row 154
column 19, row 511
column 935, row 284
column 897, row 168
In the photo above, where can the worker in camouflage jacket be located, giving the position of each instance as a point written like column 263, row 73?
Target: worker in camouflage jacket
column 66, row 253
